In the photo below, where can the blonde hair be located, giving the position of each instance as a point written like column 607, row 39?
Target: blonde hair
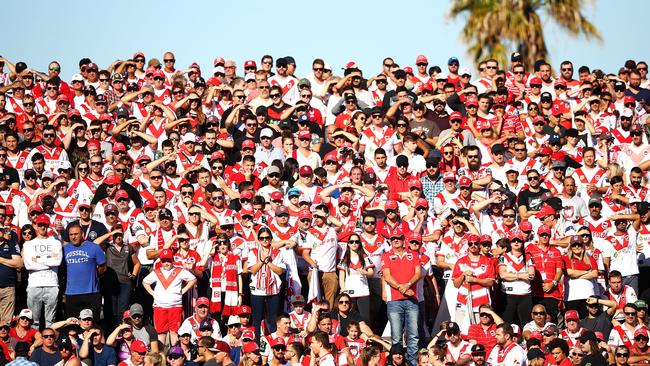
column 156, row 359
column 615, row 169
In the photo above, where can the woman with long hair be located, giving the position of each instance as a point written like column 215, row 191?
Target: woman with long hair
column 516, row 271
column 81, row 170
column 354, row 269
column 225, row 278
column 603, row 263
column 450, row 161
column 580, row 276
column 266, row 266
column 343, row 313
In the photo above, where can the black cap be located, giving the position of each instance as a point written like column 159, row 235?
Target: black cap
column 619, row 85
column 478, row 349
column 290, row 60
column 534, row 353
column 261, row 111
column 397, row 349
column 65, row 343
column 375, row 110
column 122, row 112
column 546, row 96
column 400, row 74
column 588, row 336
column 350, row 96
column 401, row 160
column 516, row 56
column 165, row 213
column 370, row 178
column 571, row 132
column 20, row 67
column 498, row 149
column 642, row 207
column 281, row 62
column 453, row 328
column 464, row 213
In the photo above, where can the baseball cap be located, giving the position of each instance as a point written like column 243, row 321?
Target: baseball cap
column 455, row 115
column 205, row 325
column 42, row 219
column 202, row 301
column 281, row 210
column 478, row 349
column 414, row 183
column 525, row 225
column 250, row 347
column 452, row 60
column 176, row 351
column 85, row 314
column 26, row 313
column 465, row 182
column 587, row 336
column 139, row 346
column 166, row 254
column 248, row 144
column 571, row 314
column 544, row 229
column 136, row 309
column 391, row 205
column 297, row 299
column 550, row 329
column 534, row 353
column 421, row 59
column 306, row 170
column 422, row 202
column 448, row 176
column 453, row 328
column 641, row 304
column 396, row 233
column 244, row 309
column 545, row 211
column 278, row 342
column 266, row 132
column 498, row 149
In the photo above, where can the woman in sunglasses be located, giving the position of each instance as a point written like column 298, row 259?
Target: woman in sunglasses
column 581, row 275
column 516, row 270
column 225, row 278
column 354, row 269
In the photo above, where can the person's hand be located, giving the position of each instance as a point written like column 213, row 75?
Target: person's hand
column 402, row 288
column 547, row 287
column 72, row 320
column 409, row 293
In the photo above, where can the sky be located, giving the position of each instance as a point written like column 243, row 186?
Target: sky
column 337, row 31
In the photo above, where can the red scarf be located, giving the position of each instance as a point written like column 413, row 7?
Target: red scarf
column 224, row 279
column 265, row 277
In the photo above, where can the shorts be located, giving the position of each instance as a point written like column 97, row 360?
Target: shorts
column 167, row 319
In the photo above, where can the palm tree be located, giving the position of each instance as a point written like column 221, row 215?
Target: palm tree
column 494, row 26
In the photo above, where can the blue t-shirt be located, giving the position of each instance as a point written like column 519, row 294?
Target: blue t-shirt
column 105, row 358
column 81, row 263
column 8, row 248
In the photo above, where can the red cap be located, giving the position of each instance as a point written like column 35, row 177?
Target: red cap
column 427, row 86
column 139, row 53
column 420, row 59
column 150, row 71
column 643, row 331
column 247, row 212
column 306, row 170
column 9, row 210
column 213, row 81
column 544, row 229
column 304, row 134
column 536, row 81
column 415, row 237
column 106, row 117
column 464, row 182
column 448, row 176
column 470, row 102
column 277, row 195
column 601, row 336
column 73, row 112
column 202, row 301
column 485, row 238
column 391, row 205
column 62, row 97
column 536, row 334
column 246, row 195
column 396, row 233
column 138, row 346
column 248, row 144
column 626, row 100
column 248, row 334
column 344, row 200
column 112, row 179
column 473, row 237
column 571, row 314
column 219, row 60
column 94, row 142
column 455, row 115
column 516, row 235
column 545, row 211
column 150, row 204
column 250, row 347
column 422, row 202
column 42, row 219
column 126, row 314
column 250, row 63
column 118, row 146
column 279, row 341
column 414, row 183
column 158, row 74
column 244, row 309
column 560, row 81
column 332, row 156
column 35, row 207
column 350, row 65
column 304, row 214
column 545, row 151
column 408, row 70
column 525, row 225
column 166, row 254
column 121, row 194
column 217, row 155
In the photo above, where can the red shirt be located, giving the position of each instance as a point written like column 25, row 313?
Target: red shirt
column 402, row 268
column 397, row 184
column 546, row 264
column 486, row 337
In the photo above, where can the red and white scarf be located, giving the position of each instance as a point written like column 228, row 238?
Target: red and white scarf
column 224, row 279
column 265, row 277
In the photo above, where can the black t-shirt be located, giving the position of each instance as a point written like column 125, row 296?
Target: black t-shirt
column 532, row 200
column 601, row 323
column 45, row 358
column 29, row 145
column 96, row 230
column 594, row 360
column 354, row 316
column 8, row 248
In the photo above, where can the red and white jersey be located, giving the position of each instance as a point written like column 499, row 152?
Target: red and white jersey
column 599, row 227
column 636, row 194
column 510, row 355
column 452, row 247
column 455, row 352
column 374, row 247
column 587, row 176
column 54, row 157
column 162, row 95
column 621, row 136
column 286, row 82
column 482, row 172
column 18, row 161
column 482, row 268
column 554, row 186
column 518, row 265
column 546, row 262
column 635, row 154
column 603, row 120
column 299, row 321
column 572, row 338
column 623, row 335
column 524, row 166
column 442, row 199
column 168, row 286
column 627, row 295
column 385, row 138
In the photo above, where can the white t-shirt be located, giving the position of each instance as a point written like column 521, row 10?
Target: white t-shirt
column 171, row 296
column 512, row 355
column 42, row 258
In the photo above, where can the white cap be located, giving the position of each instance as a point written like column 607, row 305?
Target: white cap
column 77, row 77
column 189, row 137
column 627, row 113
column 85, row 314
column 219, row 69
column 441, row 75
column 266, row 132
column 327, row 67
column 304, row 198
column 226, row 220
column 249, row 76
column 465, row 71
column 27, row 314
column 233, row 319
column 65, row 164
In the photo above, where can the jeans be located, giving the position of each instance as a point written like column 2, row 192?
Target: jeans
column 43, row 297
column 121, row 301
column 272, row 308
column 404, row 314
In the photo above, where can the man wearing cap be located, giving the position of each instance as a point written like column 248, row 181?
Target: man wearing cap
column 85, row 262
column 573, row 329
column 136, row 358
column 201, row 314
column 267, row 153
column 42, row 256
column 282, row 79
column 171, row 283
column 379, row 134
column 548, row 268
column 401, row 270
